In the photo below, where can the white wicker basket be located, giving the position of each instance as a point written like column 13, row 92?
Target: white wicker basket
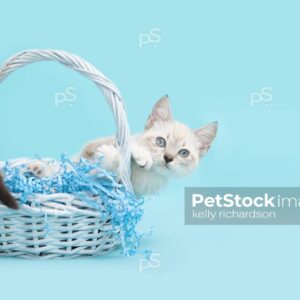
column 76, row 227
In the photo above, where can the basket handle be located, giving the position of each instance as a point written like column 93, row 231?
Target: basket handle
column 110, row 91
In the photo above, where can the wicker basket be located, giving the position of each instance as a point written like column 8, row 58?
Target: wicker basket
column 77, row 228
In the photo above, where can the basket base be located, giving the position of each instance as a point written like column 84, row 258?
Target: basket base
column 32, row 232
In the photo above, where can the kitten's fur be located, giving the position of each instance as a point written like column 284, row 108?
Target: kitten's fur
column 152, row 165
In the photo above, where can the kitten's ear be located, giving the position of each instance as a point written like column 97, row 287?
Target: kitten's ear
column 161, row 112
column 206, row 136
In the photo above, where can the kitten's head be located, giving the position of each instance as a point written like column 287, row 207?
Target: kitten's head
column 175, row 148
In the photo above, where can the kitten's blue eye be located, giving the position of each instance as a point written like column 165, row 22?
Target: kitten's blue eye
column 161, row 142
column 184, row 153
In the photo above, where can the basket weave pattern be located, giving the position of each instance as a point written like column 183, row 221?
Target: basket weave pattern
column 77, row 228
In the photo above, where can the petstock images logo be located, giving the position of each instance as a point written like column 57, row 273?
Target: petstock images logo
column 242, row 206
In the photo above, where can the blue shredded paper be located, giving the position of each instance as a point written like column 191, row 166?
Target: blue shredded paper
column 121, row 207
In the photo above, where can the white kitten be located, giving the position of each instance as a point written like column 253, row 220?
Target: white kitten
column 164, row 149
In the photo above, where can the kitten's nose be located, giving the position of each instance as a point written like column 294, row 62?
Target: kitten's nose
column 168, row 158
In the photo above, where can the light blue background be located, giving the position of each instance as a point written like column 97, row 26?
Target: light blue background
column 211, row 57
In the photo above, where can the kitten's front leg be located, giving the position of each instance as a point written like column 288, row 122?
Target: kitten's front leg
column 141, row 155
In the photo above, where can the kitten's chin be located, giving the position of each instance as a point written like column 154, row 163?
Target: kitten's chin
column 169, row 171
column 162, row 170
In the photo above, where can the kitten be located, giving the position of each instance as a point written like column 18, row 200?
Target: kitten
column 166, row 148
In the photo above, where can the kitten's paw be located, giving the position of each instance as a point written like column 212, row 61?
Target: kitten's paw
column 40, row 168
column 36, row 169
column 142, row 157
column 111, row 158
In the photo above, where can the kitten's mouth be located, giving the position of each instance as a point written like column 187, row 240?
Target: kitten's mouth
column 164, row 168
